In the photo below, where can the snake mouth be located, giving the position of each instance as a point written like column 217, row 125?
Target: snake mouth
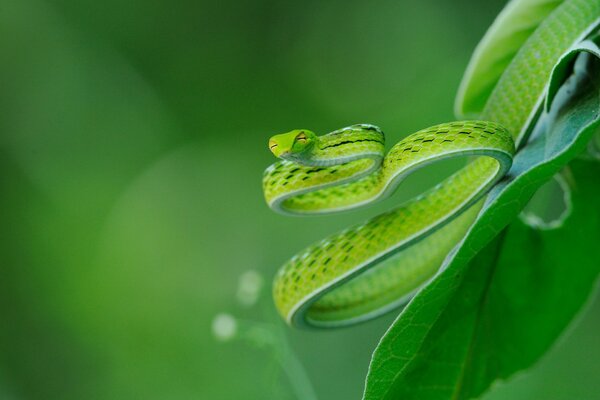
column 278, row 151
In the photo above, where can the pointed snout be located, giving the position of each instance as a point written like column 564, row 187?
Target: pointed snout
column 280, row 152
column 278, row 148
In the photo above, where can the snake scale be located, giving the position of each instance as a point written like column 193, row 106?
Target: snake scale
column 370, row 268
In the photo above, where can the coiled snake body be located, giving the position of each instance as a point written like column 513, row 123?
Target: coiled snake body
column 370, row 268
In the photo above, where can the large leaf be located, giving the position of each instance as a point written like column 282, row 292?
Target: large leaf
column 486, row 317
column 495, row 51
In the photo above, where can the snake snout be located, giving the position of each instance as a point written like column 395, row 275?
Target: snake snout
column 280, row 152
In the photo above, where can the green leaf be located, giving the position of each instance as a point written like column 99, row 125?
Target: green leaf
column 487, row 315
column 495, row 51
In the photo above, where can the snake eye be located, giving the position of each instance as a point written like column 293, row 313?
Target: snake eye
column 272, row 144
column 301, row 137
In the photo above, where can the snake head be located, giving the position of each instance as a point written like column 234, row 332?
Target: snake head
column 292, row 144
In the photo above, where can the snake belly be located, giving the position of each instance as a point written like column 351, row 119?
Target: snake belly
column 370, row 268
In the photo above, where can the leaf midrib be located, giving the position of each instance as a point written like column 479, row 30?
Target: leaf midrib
column 476, row 326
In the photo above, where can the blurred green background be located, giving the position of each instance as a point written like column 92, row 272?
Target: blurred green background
column 133, row 139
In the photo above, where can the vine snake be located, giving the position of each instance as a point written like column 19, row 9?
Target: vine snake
column 368, row 269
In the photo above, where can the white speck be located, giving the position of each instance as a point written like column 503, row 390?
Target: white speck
column 224, row 327
column 249, row 287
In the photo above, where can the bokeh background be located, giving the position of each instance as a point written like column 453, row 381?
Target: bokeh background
column 133, row 139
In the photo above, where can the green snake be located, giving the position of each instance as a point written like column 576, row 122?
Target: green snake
column 371, row 268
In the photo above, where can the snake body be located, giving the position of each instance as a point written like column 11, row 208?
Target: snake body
column 368, row 269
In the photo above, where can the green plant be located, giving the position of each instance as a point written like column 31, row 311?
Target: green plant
column 507, row 289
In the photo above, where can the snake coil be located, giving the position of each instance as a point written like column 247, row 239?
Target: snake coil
column 368, row 269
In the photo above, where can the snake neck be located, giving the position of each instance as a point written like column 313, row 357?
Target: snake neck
column 343, row 146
